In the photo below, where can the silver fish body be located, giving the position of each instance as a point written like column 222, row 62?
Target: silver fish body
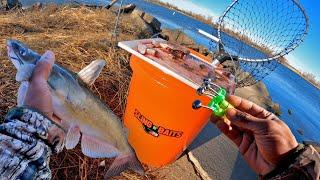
column 83, row 115
column 80, row 107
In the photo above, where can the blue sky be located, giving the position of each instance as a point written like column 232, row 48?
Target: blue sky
column 305, row 57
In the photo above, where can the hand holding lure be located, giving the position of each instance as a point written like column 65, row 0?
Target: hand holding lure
column 218, row 103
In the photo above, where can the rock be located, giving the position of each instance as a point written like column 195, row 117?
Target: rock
column 128, row 8
column 163, row 36
column 153, row 23
column 183, row 39
column 275, row 108
column 289, row 112
column 204, row 51
column 145, row 31
column 138, row 13
column 259, row 94
column 37, row 6
column 111, row 4
column 180, row 37
column 300, row 131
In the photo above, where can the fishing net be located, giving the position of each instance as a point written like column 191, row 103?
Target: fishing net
column 260, row 33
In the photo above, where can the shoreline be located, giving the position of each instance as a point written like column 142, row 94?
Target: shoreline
column 195, row 16
column 298, row 72
column 282, row 60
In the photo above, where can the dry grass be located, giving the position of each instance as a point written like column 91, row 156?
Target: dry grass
column 77, row 35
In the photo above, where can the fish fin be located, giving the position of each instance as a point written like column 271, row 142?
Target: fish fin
column 96, row 148
column 24, row 73
column 135, row 164
column 73, row 137
column 22, row 91
column 122, row 163
column 91, row 72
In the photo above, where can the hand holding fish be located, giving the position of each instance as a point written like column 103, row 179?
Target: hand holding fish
column 262, row 138
column 28, row 136
column 56, row 90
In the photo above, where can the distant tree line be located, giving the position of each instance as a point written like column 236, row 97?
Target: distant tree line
column 306, row 75
column 311, row 78
column 202, row 18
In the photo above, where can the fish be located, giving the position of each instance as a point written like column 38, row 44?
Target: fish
column 83, row 115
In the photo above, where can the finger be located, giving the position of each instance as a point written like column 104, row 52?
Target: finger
column 214, row 119
column 44, row 66
column 38, row 94
column 246, row 106
column 234, row 135
column 246, row 141
column 244, row 120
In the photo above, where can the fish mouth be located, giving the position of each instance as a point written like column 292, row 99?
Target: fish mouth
column 12, row 55
column 17, row 59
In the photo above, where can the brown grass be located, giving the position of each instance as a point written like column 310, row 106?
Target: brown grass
column 77, row 35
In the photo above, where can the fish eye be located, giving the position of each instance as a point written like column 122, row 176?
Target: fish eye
column 23, row 52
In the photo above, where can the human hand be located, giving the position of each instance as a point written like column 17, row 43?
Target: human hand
column 27, row 138
column 262, row 138
column 38, row 94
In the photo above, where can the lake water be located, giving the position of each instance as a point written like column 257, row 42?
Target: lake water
column 285, row 87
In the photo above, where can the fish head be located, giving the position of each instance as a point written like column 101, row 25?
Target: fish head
column 23, row 58
column 20, row 54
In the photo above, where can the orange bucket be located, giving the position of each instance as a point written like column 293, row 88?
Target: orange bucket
column 159, row 113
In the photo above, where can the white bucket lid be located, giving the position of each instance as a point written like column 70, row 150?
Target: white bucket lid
column 130, row 46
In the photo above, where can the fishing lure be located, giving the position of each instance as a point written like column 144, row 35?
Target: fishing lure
column 218, row 103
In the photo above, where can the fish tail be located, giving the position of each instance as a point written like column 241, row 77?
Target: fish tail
column 123, row 162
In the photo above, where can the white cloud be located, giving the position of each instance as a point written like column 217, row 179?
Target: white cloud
column 193, row 7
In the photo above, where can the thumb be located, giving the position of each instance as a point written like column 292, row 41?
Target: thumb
column 244, row 120
column 44, row 66
column 38, row 95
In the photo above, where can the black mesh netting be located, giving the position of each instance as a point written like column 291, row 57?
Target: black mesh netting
column 260, row 32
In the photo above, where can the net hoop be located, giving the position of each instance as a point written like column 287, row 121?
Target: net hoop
column 285, row 51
